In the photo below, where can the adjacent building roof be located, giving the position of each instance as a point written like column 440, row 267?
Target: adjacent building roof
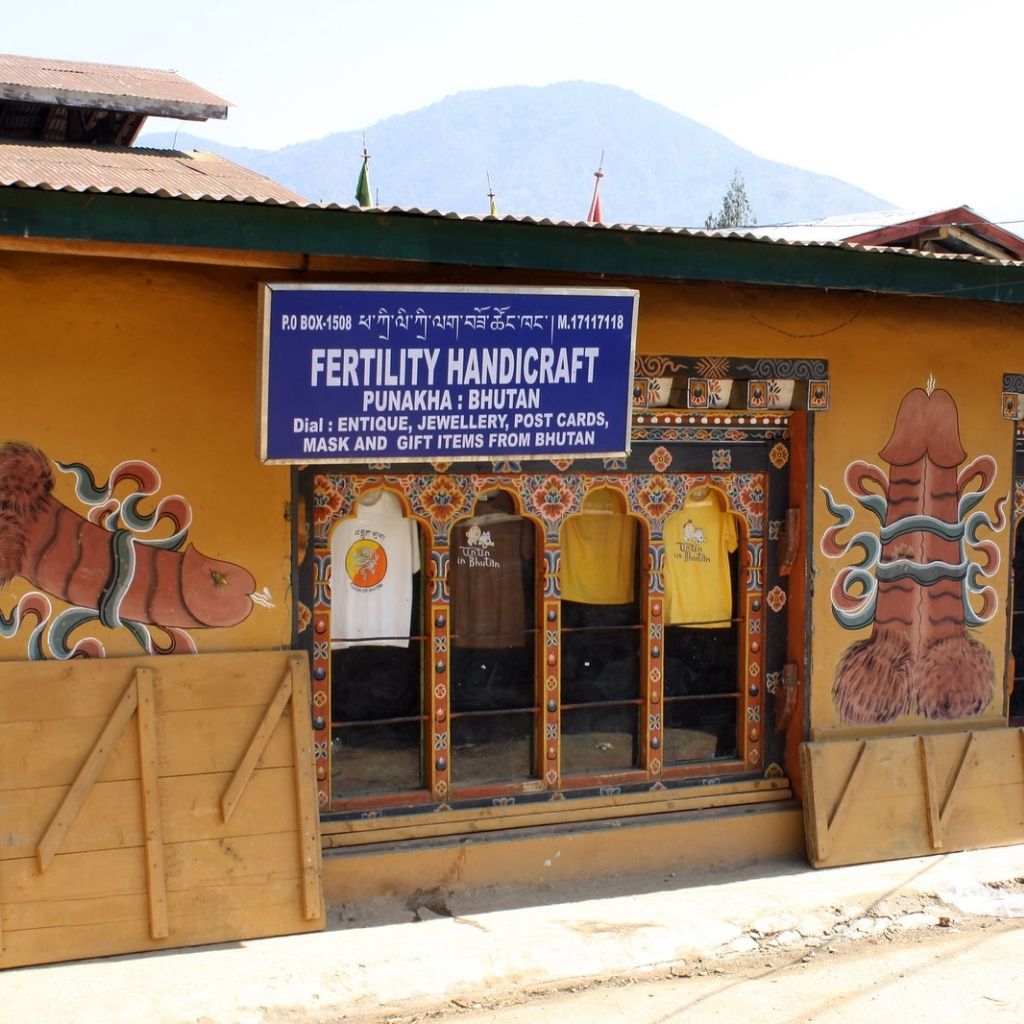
column 63, row 167
column 76, row 101
column 958, row 230
column 78, row 83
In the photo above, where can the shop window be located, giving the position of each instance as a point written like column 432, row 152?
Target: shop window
column 377, row 648
column 548, row 640
column 602, row 630
column 492, row 583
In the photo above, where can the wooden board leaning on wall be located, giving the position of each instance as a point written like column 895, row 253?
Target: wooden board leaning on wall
column 884, row 798
column 155, row 802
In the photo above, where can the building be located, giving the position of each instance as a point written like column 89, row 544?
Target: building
column 822, row 445
column 959, row 230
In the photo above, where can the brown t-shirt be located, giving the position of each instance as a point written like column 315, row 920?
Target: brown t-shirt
column 487, row 581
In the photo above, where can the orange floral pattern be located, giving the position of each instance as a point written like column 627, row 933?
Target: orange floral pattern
column 552, row 499
column 657, row 497
column 443, row 499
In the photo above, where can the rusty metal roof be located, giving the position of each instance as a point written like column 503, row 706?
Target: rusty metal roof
column 44, row 165
column 73, row 83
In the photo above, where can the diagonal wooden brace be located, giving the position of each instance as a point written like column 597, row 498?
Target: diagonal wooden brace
column 71, row 805
column 294, row 690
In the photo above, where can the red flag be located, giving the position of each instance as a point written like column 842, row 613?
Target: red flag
column 594, row 216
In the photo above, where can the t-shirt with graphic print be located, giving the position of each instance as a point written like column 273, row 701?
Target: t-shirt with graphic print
column 698, row 586
column 374, row 555
column 487, row 579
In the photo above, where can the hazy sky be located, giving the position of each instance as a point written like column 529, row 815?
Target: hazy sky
column 916, row 101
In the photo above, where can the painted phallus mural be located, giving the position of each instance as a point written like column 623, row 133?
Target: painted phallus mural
column 920, row 580
column 112, row 566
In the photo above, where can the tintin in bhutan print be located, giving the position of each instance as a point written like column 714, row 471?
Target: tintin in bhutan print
column 919, row 581
column 104, row 566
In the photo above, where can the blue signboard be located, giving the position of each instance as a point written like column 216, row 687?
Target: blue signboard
column 371, row 374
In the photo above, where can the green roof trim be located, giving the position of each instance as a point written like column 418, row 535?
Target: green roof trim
column 456, row 241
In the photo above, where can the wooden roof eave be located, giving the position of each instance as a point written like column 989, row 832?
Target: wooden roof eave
column 182, row 225
column 182, row 109
column 956, row 239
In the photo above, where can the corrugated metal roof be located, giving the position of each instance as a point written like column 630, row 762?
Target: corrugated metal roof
column 859, row 247
column 752, row 234
column 161, row 173
column 154, row 172
column 309, row 230
column 110, row 86
column 838, row 227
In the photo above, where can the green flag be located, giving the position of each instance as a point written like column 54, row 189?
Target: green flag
column 363, row 185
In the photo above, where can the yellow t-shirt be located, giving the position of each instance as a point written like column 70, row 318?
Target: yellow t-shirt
column 698, row 587
column 598, row 561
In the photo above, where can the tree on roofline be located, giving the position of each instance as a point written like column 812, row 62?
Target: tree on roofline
column 736, row 211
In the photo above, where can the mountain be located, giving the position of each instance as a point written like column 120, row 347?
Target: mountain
column 541, row 146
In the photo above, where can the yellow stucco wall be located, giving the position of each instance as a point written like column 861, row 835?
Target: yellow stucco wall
column 107, row 360
column 110, row 359
column 965, row 348
column 878, row 348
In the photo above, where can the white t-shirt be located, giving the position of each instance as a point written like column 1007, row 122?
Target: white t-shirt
column 373, row 557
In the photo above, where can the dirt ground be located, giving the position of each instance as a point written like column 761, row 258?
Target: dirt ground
column 957, row 977
column 937, row 939
column 920, row 960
